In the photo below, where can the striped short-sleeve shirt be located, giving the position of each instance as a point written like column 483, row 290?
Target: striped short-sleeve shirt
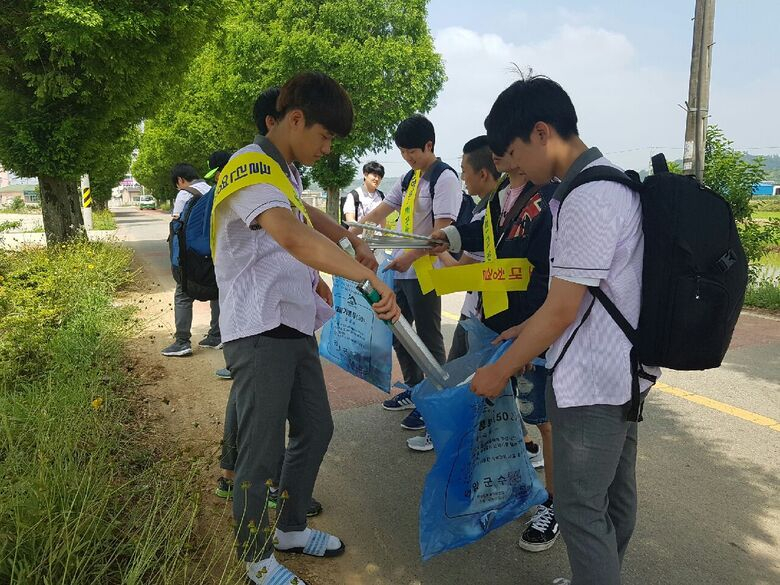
column 597, row 240
column 261, row 285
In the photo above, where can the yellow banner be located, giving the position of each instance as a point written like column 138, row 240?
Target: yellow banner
column 506, row 274
column 248, row 169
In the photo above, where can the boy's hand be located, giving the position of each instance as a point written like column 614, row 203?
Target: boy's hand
column 489, row 381
column 324, row 291
column 511, row 333
column 365, row 256
column 440, row 235
column 403, row 262
column 386, row 309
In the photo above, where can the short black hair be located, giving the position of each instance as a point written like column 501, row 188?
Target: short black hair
column 414, row 132
column 524, row 103
column 480, row 156
column 375, row 168
column 183, row 171
column 321, row 99
column 265, row 105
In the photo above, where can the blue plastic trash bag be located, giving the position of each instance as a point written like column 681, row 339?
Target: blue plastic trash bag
column 355, row 339
column 482, row 477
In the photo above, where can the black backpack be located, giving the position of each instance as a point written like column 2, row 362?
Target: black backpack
column 694, row 274
column 189, row 243
column 467, row 204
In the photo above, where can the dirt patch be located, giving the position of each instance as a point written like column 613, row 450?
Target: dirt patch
column 185, row 408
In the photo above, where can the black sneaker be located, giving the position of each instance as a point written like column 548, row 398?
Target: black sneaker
column 542, row 531
column 535, row 454
column 314, row 509
column 224, row 488
column 211, row 342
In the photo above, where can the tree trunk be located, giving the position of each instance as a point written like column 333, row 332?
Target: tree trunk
column 61, row 206
column 334, row 201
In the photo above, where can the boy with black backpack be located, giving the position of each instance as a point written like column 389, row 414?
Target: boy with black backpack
column 361, row 201
column 187, row 180
column 429, row 198
column 597, row 241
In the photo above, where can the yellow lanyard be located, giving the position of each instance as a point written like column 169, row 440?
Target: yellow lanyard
column 248, row 169
column 408, row 204
column 422, row 266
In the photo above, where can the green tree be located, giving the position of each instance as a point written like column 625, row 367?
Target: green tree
column 731, row 174
column 111, row 167
column 382, row 52
column 727, row 172
column 75, row 76
column 194, row 121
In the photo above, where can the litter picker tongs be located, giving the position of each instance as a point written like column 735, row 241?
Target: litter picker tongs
column 389, row 239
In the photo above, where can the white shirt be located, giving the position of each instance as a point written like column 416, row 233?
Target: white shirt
column 262, row 286
column 445, row 205
column 597, row 241
column 366, row 202
column 183, row 196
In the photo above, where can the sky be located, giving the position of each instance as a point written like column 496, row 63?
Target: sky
column 625, row 64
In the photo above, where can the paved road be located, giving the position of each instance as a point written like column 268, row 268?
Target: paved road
column 708, row 469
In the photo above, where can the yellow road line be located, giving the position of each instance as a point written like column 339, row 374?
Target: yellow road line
column 756, row 419
column 450, row 316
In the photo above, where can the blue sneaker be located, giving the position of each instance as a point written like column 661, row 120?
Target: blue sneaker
column 413, row 421
column 224, row 373
column 402, row 401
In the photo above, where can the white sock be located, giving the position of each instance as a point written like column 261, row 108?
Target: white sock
column 299, row 538
column 260, row 571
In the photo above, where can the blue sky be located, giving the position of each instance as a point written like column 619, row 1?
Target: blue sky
column 625, row 64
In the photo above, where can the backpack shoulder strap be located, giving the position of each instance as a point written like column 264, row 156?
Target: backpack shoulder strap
column 192, row 191
column 381, row 194
column 436, row 170
column 592, row 175
column 405, row 182
column 356, row 201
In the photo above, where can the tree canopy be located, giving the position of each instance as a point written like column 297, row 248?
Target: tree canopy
column 382, row 52
column 76, row 76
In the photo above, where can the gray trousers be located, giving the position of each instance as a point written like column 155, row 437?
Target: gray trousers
column 182, row 314
column 460, row 342
column 424, row 312
column 276, row 380
column 594, row 449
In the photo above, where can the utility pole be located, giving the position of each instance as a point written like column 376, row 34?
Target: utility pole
column 86, row 198
column 699, row 89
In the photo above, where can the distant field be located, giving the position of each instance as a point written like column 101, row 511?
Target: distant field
column 766, row 214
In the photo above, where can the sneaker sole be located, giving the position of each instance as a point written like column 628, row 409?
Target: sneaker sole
column 224, row 377
column 223, row 494
column 211, row 346
column 537, row 546
column 403, row 426
column 182, row 353
column 420, row 449
column 537, row 464
column 396, row 408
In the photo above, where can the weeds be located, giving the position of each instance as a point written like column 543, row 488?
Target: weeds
column 85, row 499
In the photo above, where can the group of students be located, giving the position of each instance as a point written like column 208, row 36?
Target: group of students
column 269, row 248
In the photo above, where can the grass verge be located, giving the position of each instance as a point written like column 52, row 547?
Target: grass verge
column 764, row 294
column 103, row 219
column 84, row 500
